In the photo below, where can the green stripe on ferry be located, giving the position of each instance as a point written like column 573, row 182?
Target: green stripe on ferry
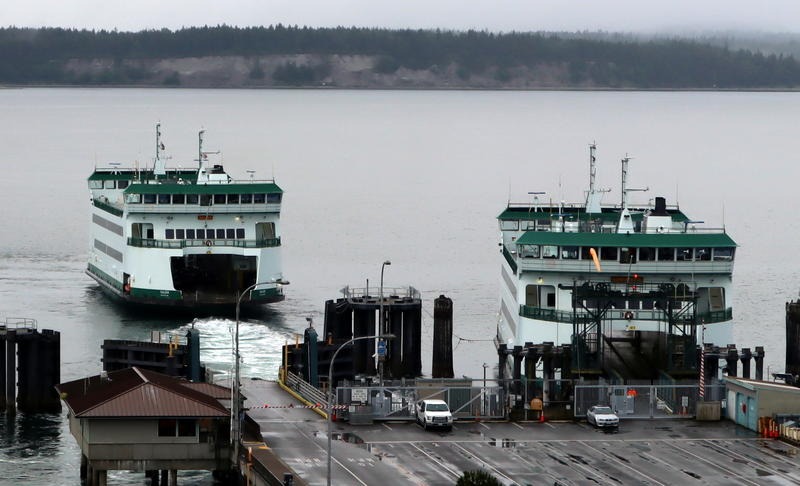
column 268, row 188
column 575, row 214
column 623, row 240
column 262, row 293
column 156, row 294
column 105, row 277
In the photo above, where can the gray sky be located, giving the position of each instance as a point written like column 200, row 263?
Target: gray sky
column 494, row 15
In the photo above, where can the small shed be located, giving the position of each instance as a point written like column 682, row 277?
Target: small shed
column 747, row 400
column 140, row 420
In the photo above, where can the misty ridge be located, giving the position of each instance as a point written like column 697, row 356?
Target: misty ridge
column 351, row 57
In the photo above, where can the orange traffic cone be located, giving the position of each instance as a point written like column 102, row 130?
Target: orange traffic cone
column 541, row 417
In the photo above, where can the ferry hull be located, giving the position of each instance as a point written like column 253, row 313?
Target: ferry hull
column 174, row 301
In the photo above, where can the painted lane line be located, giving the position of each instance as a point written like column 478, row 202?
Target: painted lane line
column 757, row 463
column 711, row 463
column 486, row 464
column 484, row 425
column 444, row 466
column 387, row 426
column 615, row 459
column 517, row 426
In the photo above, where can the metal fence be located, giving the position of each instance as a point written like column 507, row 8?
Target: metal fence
column 645, row 401
column 397, row 402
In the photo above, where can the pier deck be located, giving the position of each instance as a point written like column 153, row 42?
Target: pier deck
column 660, row 452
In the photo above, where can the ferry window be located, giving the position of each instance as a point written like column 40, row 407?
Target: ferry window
column 122, row 184
column 178, row 198
column 608, row 253
column 221, row 234
column 529, row 251
column 549, row 251
column 230, row 233
column 528, row 225
column 723, row 254
column 685, row 254
column 108, row 185
column 233, row 199
column 95, row 184
column 666, row 254
column 149, row 198
column 585, row 253
column 627, row 255
column 569, row 252
column 647, row 254
column 509, row 225
column 240, row 233
column 246, row 199
column 273, row 198
column 205, row 199
column 189, row 234
column 180, row 234
column 551, row 299
column 148, row 232
column 163, row 198
column 201, row 233
column 169, row 234
column 134, row 198
column 219, row 198
column 703, row 254
column 192, row 199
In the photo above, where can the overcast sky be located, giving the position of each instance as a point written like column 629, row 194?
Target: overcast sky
column 494, row 15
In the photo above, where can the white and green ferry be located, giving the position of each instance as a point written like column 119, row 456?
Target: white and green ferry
column 590, row 275
column 185, row 238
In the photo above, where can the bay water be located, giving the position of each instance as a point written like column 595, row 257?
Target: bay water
column 416, row 177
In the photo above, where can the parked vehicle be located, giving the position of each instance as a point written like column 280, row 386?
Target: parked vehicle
column 433, row 414
column 602, row 416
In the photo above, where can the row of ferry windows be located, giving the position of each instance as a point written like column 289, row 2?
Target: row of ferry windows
column 205, row 199
column 204, row 234
column 626, row 255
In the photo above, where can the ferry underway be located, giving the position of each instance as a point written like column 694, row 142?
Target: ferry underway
column 592, row 275
column 193, row 239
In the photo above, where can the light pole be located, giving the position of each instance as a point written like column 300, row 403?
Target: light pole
column 381, row 322
column 331, row 389
column 483, row 402
column 235, row 392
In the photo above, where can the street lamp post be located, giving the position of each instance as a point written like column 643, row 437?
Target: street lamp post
column 483, row 402
column 235, row 391
column 331, row 390
column 381, row 321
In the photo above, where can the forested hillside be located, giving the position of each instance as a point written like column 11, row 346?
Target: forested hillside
column 359, row 57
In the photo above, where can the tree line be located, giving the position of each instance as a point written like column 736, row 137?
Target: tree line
column 29, row 56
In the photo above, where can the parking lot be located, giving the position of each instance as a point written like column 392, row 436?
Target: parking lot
column 659, row 452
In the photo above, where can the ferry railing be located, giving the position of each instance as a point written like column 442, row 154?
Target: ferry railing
column 510, row 259
column 210, row 242
column 211, row 209
column 555, row 315
column 19, row 323
column 109, row 208
column 392, row 292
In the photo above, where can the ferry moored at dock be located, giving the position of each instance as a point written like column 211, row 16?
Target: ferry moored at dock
column 185, row 238
column 594, row 276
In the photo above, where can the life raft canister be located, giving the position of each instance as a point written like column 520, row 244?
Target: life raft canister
column 208, row 243
column 629, row 315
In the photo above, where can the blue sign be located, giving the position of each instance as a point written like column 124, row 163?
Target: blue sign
column 381, row 347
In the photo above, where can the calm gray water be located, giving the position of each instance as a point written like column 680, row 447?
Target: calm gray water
column 416, row 177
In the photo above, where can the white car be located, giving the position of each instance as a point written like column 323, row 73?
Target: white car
column 434, row 413
column 602, row 416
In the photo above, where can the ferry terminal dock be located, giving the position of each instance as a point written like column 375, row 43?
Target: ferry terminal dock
column 660, row 452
